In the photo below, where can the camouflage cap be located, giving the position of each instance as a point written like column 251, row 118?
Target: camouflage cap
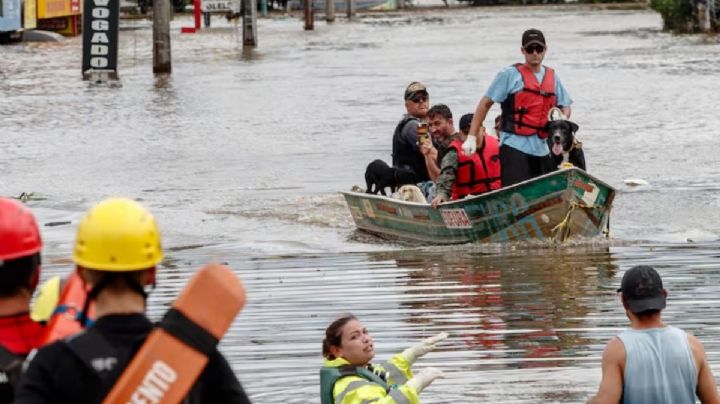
column 414, row 88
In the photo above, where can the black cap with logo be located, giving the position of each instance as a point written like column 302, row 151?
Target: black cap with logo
column 642, row 289
column 532, row 36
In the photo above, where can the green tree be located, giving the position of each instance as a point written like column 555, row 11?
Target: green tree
column 676, row 14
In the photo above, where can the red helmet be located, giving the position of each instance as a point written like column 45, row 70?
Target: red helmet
column 19, row 234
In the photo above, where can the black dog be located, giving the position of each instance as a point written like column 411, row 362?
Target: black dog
column 564, row 148
column 380, row 175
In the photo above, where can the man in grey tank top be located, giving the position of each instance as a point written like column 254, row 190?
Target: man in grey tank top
column 652, row 362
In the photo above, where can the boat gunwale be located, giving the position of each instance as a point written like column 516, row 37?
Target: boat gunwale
column 488, row 195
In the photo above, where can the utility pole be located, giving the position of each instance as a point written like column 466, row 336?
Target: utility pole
column 329, row 10
column 249, row 8
column 350, row 9
column 161, row 37
column 309, row 15
column 704, row 20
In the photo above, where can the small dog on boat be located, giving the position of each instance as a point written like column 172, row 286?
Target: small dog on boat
column 411, row 193
column 379, row 176
column 565, row 149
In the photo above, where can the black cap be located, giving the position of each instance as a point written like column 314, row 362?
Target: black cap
column 642, row 289
column 532, row 36
column 465, row 122
column 414, row 88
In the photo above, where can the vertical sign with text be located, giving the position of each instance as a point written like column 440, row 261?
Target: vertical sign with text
column 100, row 36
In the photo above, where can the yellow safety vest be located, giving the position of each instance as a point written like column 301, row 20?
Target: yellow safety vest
column 356, row 389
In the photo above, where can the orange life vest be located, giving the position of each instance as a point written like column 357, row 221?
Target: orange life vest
column 525, row 112
column 477, row 173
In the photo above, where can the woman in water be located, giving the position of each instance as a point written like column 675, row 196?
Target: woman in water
column 348, row 377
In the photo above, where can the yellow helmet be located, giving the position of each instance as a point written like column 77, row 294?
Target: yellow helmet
column 117, row 235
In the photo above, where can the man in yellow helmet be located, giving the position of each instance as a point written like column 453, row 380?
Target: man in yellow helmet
column 116, row 251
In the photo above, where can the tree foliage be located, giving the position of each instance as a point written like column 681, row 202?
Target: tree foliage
column 676, row 14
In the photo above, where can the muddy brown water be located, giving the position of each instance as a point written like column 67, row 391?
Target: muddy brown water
column 240, row 155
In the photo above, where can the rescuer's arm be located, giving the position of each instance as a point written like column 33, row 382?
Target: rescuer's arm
column 611, row 386
column 477, row 131
column 430, row 154
column 448, row 173
column 706, row 388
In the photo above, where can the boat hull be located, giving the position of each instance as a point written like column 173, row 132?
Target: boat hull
column 556, row 206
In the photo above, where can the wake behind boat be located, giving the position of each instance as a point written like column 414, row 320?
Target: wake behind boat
column 555, row 206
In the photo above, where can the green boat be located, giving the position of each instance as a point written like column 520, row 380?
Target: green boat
column 556, row 206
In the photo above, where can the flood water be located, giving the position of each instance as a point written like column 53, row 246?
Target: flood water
column 240, row 155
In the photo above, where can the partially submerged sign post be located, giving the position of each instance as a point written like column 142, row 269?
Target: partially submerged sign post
column 100, row 39
column 228, row 7
column 231, row 7
column 161, row 37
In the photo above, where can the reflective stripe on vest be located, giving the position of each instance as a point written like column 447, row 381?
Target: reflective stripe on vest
column 399, row 397
column 479, row 173
column 330, row 375
column 396, row 375
column 525, row 112
column 350, row 387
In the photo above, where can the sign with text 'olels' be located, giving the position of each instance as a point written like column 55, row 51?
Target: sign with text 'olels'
column 100, row 36
column 218, row 6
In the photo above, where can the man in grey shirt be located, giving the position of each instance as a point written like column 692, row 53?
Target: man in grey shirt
column 652, row 362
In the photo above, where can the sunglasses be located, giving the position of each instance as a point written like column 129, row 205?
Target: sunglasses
column 534, row 48
column 418, row 99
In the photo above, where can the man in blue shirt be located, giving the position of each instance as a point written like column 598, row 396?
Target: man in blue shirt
column 526, row 93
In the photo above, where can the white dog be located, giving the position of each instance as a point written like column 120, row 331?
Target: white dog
column 411, row 193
